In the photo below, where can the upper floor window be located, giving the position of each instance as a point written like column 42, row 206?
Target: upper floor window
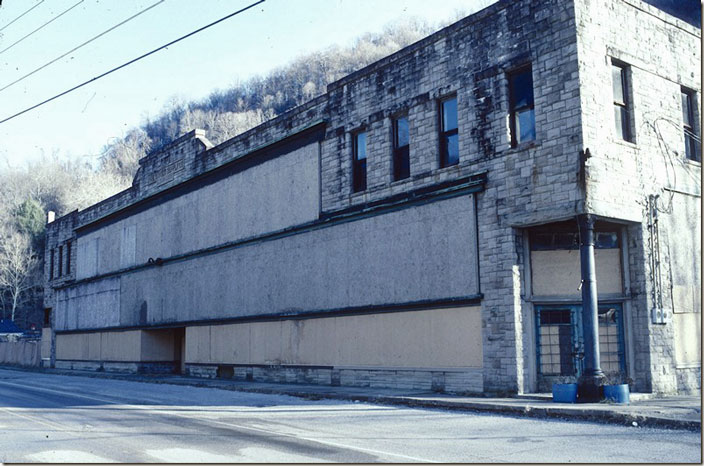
column 359, row 162
column 622, row 104
column 51, row 264
column 68, row 257
column 402, row 165
column 691, row 145
column 449, row 142
column 521, row 106
column 61, row 260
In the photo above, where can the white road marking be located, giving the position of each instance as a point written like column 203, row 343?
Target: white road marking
column 66, row 456
column 152, row 410
column 44, row 422
column 243, row 455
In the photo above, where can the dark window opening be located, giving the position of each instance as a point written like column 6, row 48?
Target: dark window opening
column 449, row 140
column 560, row 240
column 402, row 165
column 68, row 257
column 521, row 106
column 359, row 162
column 61, row 260
column 622, row 105
column 51, row 264
column 691, row 138
column 47, row 317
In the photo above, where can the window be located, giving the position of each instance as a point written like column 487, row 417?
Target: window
column 622, row 106
column 402, row 166
column 688, row 121
column 68, row 257
column 359, row 162
column 449, row 142
column 521, row 106
column 51, row 264
column 61, row 260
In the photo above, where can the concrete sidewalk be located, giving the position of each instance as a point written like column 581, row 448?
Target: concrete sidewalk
column 645, row 410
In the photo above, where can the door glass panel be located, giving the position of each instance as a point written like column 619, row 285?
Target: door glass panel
column 611, row 340
column 560, row 351
column 555, row 350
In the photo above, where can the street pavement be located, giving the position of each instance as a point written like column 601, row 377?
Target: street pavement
column 47, row 417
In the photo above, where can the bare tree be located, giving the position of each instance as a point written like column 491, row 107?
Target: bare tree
column 19, row 268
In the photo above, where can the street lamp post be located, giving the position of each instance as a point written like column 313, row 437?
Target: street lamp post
column 590, row 384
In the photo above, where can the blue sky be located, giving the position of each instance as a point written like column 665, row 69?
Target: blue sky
column 79, row 124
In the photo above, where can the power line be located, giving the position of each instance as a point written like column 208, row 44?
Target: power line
column 22, row 78
column 3, row 28
column 133, row 60
column 42, row 26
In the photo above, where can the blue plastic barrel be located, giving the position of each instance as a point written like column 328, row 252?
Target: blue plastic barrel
column 564, row 392
column 617, row 393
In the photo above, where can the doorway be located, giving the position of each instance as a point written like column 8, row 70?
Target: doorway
column 180, row 350
column 560, row 344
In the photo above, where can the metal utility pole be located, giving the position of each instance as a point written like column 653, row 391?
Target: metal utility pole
column 590, row 384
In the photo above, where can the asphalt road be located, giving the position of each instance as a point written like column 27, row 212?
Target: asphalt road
column 54, row 418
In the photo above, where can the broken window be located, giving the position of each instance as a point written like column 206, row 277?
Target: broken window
column 691, row 139
column 359, row 162
column 402, row 167
column 622, row 106
column 449, row 141
column 521, row 104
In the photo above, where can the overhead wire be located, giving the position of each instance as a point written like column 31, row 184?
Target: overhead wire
column 141, row 12
column 42, row 26
column 5, row 26
column 242, row 10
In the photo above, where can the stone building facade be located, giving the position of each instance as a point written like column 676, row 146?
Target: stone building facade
column 416, row 226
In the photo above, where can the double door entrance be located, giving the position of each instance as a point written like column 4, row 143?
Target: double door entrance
column 560, row 342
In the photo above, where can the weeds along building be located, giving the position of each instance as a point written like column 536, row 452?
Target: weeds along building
column 417, row 225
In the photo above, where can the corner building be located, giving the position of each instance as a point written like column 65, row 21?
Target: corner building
column 416, row 226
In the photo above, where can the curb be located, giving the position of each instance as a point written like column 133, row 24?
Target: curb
column 546, row 412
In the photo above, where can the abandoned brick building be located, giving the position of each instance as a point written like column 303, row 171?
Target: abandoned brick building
column 417, row 225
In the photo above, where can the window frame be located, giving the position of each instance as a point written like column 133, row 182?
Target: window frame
column 515, row 110
column 400, row 153
column 445, row 134
column 624, row 106
column 359, row 166
column 689, row 122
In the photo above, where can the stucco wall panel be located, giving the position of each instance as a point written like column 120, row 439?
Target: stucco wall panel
column 198, row 344
column 422, row 339
column 248, row 203
column 88, row 305
column 688, row 338
column 558, row 273
column 78, row 346
column 121, row 346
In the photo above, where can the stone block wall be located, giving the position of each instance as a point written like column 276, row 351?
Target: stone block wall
column 661, row 56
